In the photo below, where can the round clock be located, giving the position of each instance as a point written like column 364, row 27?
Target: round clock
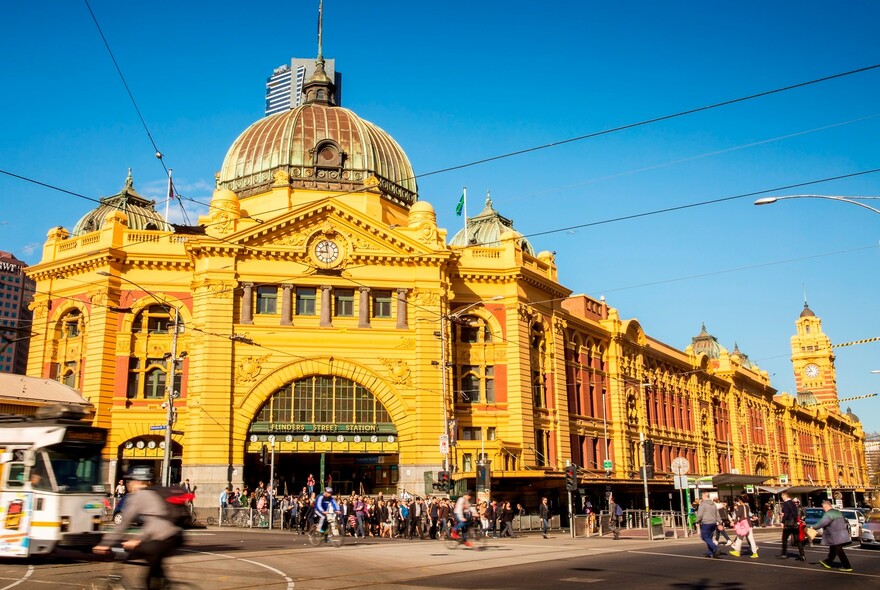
column 811, row 370
column 326, row 251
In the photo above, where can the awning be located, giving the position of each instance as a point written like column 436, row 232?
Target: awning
column 772, row 489
column 728, row 480
column 802, row 489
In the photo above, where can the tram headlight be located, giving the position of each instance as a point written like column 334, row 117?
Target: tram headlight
column 65, row 524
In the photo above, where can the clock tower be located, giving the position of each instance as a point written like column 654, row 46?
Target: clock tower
column 813, row 361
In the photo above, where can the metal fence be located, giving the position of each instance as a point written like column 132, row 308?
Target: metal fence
column 661, row 521
column 250, row 518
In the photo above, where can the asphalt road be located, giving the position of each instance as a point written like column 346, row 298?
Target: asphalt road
column 230, row 559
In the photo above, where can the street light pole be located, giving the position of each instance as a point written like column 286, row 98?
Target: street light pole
column 645, row 483
column 445, row 320
column 851, row 200
column 171, row 372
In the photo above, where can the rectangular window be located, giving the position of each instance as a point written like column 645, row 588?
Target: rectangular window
column 381, row 304
column 344, row 401
column 540, row 447
column 538, row 389
column 490, row 433
column 467, row 462
column 302, row 401
column 343, row 303
column 134, row 377
column 267, row 300
column 490, row 385
column 324, row 400
column 469, row 384
column 154, row 386
column 305, row 301
column 471, row 433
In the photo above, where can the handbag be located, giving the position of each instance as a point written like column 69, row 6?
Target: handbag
column 742, row 528
column 811, row 533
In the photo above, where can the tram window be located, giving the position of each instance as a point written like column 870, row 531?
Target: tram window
column 16, row 475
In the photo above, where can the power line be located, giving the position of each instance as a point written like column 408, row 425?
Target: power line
column 650, row 121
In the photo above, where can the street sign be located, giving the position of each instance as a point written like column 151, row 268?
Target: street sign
column 607, row 465
column 681, row 482
column 783, row 479
column 444, row 444
column 680, row 466
column 750, row 489
column 159, row 427
column 177, row 432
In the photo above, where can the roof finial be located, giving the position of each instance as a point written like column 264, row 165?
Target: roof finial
column 129, row 181
column 804, row 285
column 488, row 198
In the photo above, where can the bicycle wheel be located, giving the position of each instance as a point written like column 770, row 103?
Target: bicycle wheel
column 337, row 540
column 316, row 538
column 210, row 521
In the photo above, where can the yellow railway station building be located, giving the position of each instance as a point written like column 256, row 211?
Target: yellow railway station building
column 319, row 312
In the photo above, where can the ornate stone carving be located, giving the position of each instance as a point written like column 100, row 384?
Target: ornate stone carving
column 526, row 312
column 360, row 244
column 424, row 298
column 282, row 178
column 40, row 309
column 98, row 297
column 223, row 216
column 123, row 345
column 156, row 351
column 295, row 240
column 406, row 343
column 248, row 369
column 398, row 369
column 560, row 325
column 218, row 289
column 426, row 233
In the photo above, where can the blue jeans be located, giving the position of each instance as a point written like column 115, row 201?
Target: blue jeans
column 707, row 531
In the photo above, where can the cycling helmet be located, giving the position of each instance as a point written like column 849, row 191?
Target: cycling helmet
column 328, row 490
column 140, row 473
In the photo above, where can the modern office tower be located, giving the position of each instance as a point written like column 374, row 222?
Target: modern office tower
column 16, row 294
column 284, row 87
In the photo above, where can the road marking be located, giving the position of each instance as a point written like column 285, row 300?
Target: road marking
column 755, row 562
column 287, row 578
column 22, row 580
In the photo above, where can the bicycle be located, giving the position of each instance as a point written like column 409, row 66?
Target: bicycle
column 331, row 534
column 117, row 581
column 477, row 541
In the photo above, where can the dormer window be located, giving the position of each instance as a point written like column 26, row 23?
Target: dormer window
column 328, row 155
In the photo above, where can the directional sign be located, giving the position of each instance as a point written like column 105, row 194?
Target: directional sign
column 444, row 444
column 607, row 465
column 159, row 427
column 783, row 478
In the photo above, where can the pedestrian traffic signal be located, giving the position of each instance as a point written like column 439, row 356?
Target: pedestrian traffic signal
column 443, row 481
column 649, row 453
column 571, row 478
column 264, row 454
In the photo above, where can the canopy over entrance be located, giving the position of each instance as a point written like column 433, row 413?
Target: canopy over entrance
column 728, row 480
column 802, row 489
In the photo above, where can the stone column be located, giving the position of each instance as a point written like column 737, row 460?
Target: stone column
column 364, row 308
column 401, row 308
column 286, row 305
column 325, row 305
column 247, row 303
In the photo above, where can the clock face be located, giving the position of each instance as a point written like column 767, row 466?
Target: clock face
column 326, row 251
column 811, row 370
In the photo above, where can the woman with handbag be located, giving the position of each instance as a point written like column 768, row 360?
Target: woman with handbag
column 743, row 527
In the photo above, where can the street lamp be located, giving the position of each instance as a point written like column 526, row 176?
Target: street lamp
column 171, row 372
column 444, row 320
column 851, row 200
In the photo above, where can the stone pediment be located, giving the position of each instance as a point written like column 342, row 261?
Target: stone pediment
column 297, row 233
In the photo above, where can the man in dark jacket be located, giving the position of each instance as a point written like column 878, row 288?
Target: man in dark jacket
column 544, row 513
column 836, row 535
column 790, row 528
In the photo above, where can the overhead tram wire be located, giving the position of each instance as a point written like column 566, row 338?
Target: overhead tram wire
column 703, row 203
column 492, row 158
column 158, row 152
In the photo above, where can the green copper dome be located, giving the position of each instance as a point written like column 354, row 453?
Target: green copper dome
column 140, row 212
column 486, row 229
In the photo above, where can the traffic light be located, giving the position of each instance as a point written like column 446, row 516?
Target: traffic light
column 264, row 454
column 443, row 481
column 649, row 453
column 571, row 478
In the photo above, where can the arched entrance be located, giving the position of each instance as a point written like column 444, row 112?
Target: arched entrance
column 326, row 426
column 149, row 450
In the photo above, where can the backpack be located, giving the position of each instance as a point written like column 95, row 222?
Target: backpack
column 176, row 499
column 618, row 511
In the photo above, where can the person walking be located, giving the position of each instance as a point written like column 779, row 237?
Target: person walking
column 544, row 513
column 790, row 528
column 742, row 526
column 708, row 519
column 724, row 521
column 836, row 535
column 613, row 518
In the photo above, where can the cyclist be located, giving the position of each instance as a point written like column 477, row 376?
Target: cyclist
column 158, row 536
column 462, row 515
column 324, row 504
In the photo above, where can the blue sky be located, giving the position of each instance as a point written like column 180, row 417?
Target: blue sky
column 458, row 81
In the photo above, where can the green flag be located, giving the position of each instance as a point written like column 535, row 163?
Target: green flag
column 460, row 206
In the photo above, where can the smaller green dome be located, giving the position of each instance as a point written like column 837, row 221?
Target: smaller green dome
column 140, row 212
column 487, row 229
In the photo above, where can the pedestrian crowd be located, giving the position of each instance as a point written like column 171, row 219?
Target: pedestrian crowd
column 406, row 517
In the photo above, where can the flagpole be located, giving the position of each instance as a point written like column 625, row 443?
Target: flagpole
column 170, row 195
column 464, row 195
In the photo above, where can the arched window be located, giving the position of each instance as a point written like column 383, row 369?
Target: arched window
column 323, row 399
column 155, row 319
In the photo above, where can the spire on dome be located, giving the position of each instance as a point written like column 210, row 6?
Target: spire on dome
column 320, row 88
